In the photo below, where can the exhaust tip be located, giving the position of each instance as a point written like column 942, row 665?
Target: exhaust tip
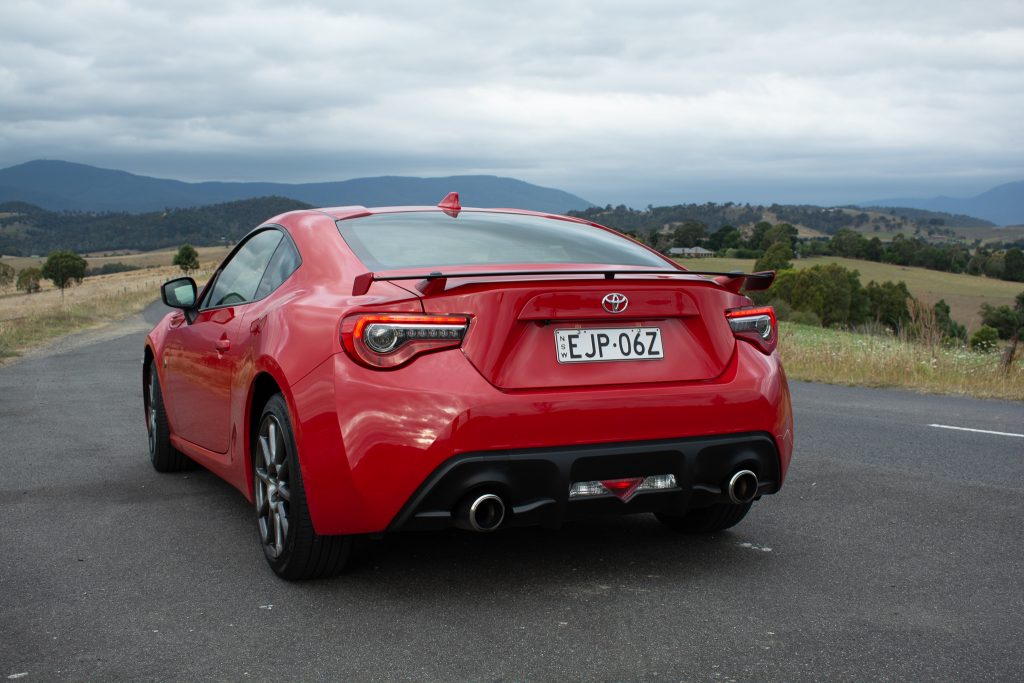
column 486, row 513
column 742, row 487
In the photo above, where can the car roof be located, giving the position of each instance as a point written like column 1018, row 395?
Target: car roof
column 355, row 211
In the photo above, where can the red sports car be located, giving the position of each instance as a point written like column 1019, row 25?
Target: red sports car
column 355, row 371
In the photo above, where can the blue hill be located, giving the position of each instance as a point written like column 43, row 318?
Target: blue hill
column 65, row 186
column 1003, row 205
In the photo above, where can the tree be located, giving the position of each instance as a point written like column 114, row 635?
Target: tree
column 726, row 237
column 1013, row 265
column 757, row 235
column 63, row 269
column 783, row 232
column 1018, row 330
column 873, row 249
column 777, row 257
column 831, row 292
column 28, row 280
column 688, row 234
column 187, row 258
column 848, row 243
column 888, row 303
column 6, row 275
column 1004, row 319
column 952, row 331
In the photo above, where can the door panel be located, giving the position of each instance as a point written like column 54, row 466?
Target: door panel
column 202, row 360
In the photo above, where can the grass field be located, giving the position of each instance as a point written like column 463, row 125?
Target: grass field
column 963, row 293
column 815, row 354
column 29, row 320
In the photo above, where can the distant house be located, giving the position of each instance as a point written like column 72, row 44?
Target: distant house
column 691, row 252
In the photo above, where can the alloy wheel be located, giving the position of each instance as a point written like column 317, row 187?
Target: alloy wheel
column 151, row 413
column 271, row 483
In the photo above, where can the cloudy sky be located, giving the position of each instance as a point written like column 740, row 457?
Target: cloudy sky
column 636, row 102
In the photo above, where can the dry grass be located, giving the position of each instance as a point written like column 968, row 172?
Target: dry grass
column 963, row 293
column 815, row 354
column 208, row 257
column 29, row 320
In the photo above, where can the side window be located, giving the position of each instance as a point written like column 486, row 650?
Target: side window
column 239, row 279
column 285, row 261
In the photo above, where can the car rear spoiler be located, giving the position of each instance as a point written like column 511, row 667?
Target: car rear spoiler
column 435, row 281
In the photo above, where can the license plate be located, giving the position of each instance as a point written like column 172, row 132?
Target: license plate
column 604, row 344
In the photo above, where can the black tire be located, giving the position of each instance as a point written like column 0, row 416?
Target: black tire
column 164, row 456
column 707, row 520
column 285, row 530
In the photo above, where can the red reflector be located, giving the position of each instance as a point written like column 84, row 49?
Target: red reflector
column 623, row 489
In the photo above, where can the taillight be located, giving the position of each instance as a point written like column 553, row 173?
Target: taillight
column 387, row 340
column 757, row 325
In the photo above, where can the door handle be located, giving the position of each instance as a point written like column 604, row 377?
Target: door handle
column 223, row 345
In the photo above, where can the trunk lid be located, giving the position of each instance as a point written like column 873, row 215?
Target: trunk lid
column 518, row 325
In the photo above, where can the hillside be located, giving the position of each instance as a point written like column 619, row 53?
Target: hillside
column 964, row 293
column 810, row 221
column 27, row 229
column 1002, row 205
column 64, row 186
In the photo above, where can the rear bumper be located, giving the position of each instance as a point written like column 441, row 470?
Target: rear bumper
column 534, row 484
column 371, row 442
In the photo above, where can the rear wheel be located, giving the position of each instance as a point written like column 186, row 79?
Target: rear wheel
column 707, row 520
column 164, row 456
column 293, row 549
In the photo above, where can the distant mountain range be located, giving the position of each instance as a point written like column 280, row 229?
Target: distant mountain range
column 1003, row 205
column 65, row 186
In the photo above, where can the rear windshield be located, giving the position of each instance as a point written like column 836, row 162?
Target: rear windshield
column 431, row 238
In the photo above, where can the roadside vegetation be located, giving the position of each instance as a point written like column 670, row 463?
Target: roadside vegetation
column 37, row 310
column 816, row 354
column 834, row 328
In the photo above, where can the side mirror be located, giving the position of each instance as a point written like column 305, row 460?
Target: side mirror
column 179, row 293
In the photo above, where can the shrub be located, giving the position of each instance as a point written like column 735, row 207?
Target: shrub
column 1003, row 319
column 778, row 257
column 6, row 275
column 110, row 268
column 805, row 318
column 28, row 280
column 888, row 303
column 985, row 339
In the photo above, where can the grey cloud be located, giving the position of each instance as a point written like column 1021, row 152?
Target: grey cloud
column 616, row 101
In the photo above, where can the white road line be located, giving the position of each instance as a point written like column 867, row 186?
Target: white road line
column 980, row 431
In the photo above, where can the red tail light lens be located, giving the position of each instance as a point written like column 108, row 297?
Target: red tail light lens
column 387, row 340
column 756, row 325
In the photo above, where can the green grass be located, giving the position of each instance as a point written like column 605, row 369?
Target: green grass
column 815, row 354
column 963, row 293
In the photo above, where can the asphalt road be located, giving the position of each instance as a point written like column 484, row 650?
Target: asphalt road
column 894, row 552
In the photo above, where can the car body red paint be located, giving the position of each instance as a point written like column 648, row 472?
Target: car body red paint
column 368, row 439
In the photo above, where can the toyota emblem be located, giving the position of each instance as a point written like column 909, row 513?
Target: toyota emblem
column 614, row 302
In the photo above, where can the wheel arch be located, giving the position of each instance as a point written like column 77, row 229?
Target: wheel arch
column 266, row 382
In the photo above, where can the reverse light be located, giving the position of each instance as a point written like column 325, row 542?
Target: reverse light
column 623, row 489
column 387, row 340
column 755, row 324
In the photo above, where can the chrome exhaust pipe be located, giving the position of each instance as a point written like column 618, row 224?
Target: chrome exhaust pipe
column 742, row 487
column 482, row 513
